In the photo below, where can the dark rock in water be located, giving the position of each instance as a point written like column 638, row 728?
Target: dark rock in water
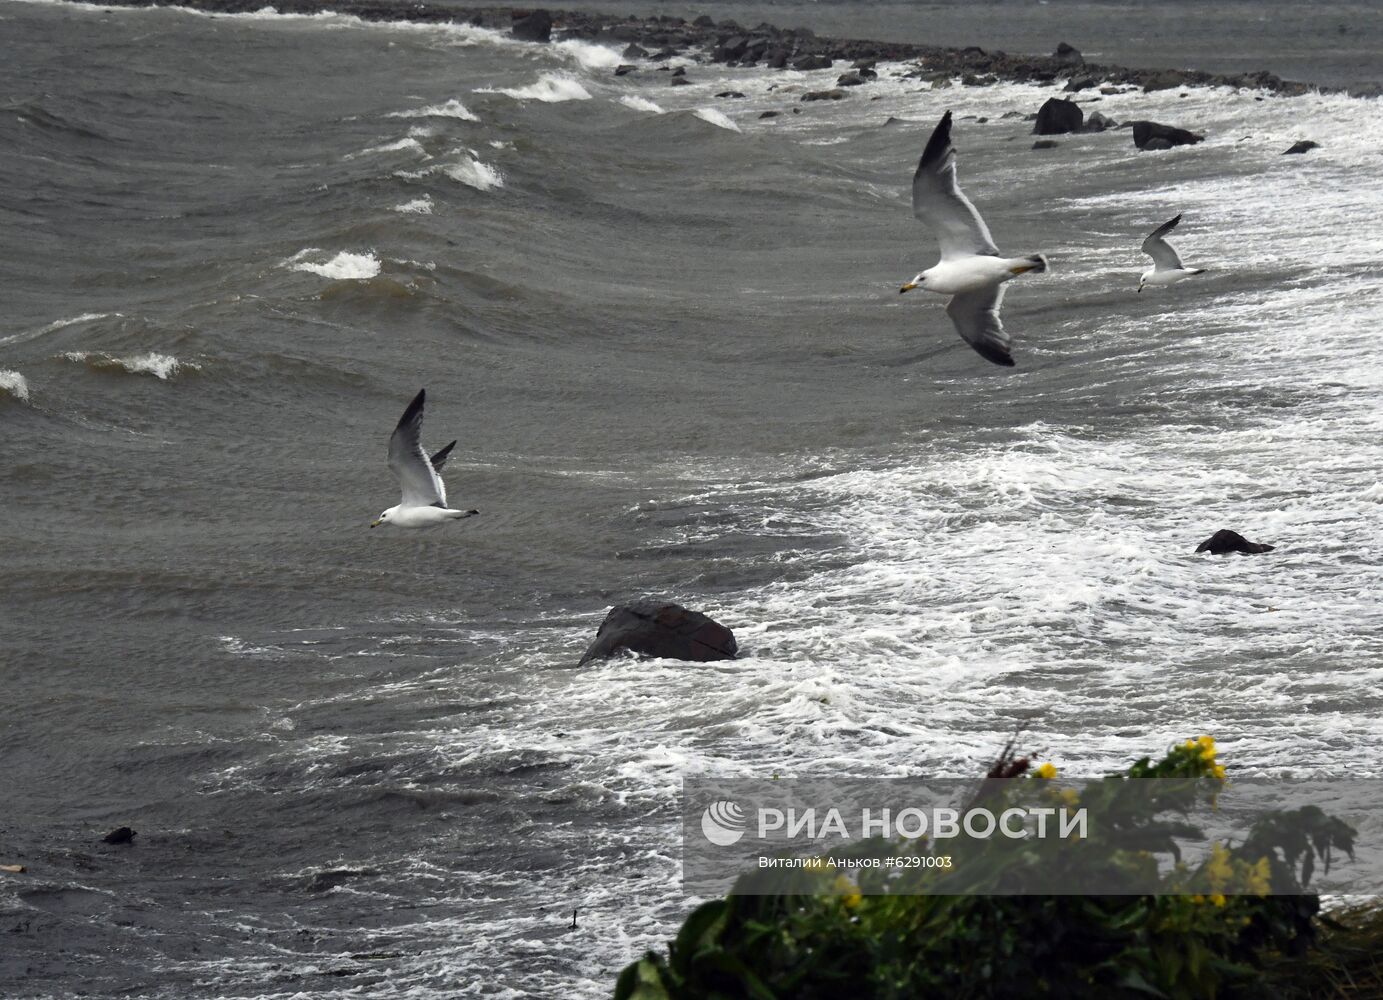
column 634, row 51
column 729, row 93
column 1068, row 55
column 1057, row 117
column 120, row 835
column 732, row 48
column 1167, row 79
column 1045, row 144
column 680, row 71
column 769, row 114
column 623, row 69
column 776, row 58
column 1098, row 123
column 1079, row 83
column 1155, row 145
column 1225, row 540
column 704, row 21
column 1146, row 132
column 660, row 628
column 1301, row 147
column 332, row 877
column 532, row 26
column 812, row 62
column 679, row 81
column 824, row 95
column 850, row 80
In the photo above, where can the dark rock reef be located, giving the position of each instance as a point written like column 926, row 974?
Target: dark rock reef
column 1301, row 147
column 1151, row 135
column 1225, row 540
column 651, row 627
column 1058, row 117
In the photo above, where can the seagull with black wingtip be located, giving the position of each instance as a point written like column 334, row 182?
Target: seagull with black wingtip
column 1167, row 268
column 424, row 501
column 970, row 271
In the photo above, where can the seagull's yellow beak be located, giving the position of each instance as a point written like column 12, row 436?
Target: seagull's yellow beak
column 908, row 287
column 376, row 522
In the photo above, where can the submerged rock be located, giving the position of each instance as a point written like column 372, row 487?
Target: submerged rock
column 812, row 62
column 1098, row 123
column 1146, row 132
column 1225, row 540
column 824, row 95
column 1301, row 147
column 1057, row 117
column 660, row 628
column 1045, row 144
column 120, row 835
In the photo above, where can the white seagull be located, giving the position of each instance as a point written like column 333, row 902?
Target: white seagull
column 1167, row 268
column 424, row 502
column 970, row 270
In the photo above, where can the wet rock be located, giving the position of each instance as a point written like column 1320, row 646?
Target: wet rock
column 624, row 69
column 1058, row 117
column 732, row 48
column 1079, row 83
column 1098, row 122
column 850, row 80
column 729, row 94
column 776, row 58
column 1155, row 145
column 120, row 835
column 680, row 71
column 1167, row 79
column 634, row 51
column 824, row 95
column 1225, row 540
column 531, row 26
column 1301, row 147
column 812, row 62
column 332, row 877
column 704, row 21
column 769, row 114
column 1145, row 133
column 660, row 628
column 679, row 81
column 1045, row 144
column 1068, row 55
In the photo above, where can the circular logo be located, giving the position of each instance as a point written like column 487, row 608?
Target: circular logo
column 723, row 823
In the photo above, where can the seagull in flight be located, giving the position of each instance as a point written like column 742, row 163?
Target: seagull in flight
column 1167, row 268
column 970, row 270
column 424, row 502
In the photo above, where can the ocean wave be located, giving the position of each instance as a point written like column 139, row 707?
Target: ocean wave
column 58, row 324
column 161, row 366
column 14, row 384
column 451, row 108
column 551, row 88
column 588, row 54
column 717, row 118
column 345, row 266
column 476, row 173
column 640, row 103
column 398, row 145
column 418, row 206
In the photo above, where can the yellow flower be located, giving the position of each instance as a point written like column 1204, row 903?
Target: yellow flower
column 1207, row 747
column 1198, row 899
column 1047, row 771
column 1218, row 869
column 1217, row 899
column 1218, row 771
column 848, row 892
column 1259, row 878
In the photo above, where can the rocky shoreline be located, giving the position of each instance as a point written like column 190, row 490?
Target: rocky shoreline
column 662, row 37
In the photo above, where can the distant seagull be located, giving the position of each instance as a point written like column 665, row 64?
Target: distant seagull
column 1166, row 269
column 970, row 270
column 424, row 503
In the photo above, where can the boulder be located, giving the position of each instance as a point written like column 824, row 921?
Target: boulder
column 704, row 21
column 1068, row 55
column 1079, row 83
column 679, row 81
column 1155, row 145
column 1045, row 144
column 729, row 93
column 680, row 71
column 1301, row 147
column 1225, row 540
column 824, row 95
column 1167, row 79
column 1057, row 117
column 769, row 114
column 850, row 80
column 624, row 69
column 634, row 51
column 120, row 835
column 531, row 26
column 812, row 62
column 660, row 628
column 776, row 58
column 1146, row 132
column 1098, row 123
column 732, row 48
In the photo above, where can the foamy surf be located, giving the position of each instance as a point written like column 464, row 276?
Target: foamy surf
column 641, row 103
column 451, row 108
column 161, row 366
column 550, row 88
column 717, row 118
column 408, row 143
column 345, row 266
column 14, row 385
column 418, row 206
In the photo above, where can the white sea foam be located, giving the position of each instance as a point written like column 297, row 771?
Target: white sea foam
column 345, row 266
column 588, row 54
column 14, row 384
column 475, row 173
column 716, row 118
column 450, row 108
column 550, row 88
column 409, row 143
column 161, row 366
column 418, row 206
column 56, row 325
column 640, row 103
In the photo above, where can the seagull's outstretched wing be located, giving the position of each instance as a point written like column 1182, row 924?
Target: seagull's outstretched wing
column 939, row 202
column 440, row 458
column 421, row 485
column 976, row 316
column 1164, row 257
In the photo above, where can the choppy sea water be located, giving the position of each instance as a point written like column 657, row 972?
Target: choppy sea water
column 667, row 334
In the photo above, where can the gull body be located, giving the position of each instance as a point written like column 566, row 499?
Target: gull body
column 1167, row 268
column 424, row 501
column 971, row 269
